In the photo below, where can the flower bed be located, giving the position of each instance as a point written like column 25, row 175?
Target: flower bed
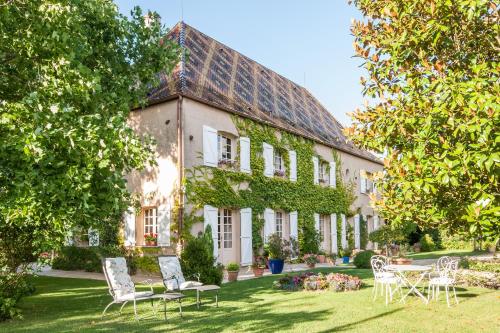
column 311, row 282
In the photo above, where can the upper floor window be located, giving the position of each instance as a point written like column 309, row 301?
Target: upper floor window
column 279, row 223
column 150, row 221
column 225, row 148
column 279, row 164
column 323, row 172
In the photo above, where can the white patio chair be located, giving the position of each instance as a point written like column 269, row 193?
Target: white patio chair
column 173, row 279
column 384, row 279
column 121, row 287
column 446, row 278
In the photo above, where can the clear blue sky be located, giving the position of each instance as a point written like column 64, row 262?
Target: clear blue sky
column 291, row 37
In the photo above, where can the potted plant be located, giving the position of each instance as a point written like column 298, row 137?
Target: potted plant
column 259, row 266
column 401, row 259
column 345, row 254
column 279, row 250
column 311, row 260
column 321, row 257
column 232, row 271
column 331, row 258
column 151, row 239
column 417, row 247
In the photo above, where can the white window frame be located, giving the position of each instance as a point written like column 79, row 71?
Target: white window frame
column 225, row 228
column 278, row 222
column 278, row 159
column 323, row 172
column 322, row 225
column 150, row 220
column 224, row 148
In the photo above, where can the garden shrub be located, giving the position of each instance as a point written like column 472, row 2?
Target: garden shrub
column 71, row 258
column 197, row 260
column 362, row 259
column 12, row 288
column 310, row 281
column 147, row 264
column 427, row 243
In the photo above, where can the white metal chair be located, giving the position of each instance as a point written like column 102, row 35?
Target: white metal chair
column 173, row 279
column 121, row 287
column 384, row 279
column 446, row 278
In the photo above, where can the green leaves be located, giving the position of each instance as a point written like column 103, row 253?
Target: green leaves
column 69, row 73
column 437, row 113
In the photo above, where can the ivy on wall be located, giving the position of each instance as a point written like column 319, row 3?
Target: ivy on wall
column 234, row 189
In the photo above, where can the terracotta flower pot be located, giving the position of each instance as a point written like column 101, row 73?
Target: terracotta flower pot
column 150, row 243
column 402, row 261
column 232, row 276
column 321, row 258
column 258, row 272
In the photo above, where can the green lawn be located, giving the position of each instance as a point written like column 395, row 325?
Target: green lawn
column 437, row 254
column 66, row 305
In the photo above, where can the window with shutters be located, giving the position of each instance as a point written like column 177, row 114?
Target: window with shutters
column 225, row 150
column 322, row 221
column 279, row 223
column 323, row 173
column 150, row 221
column 225, row 228
column 279, row 164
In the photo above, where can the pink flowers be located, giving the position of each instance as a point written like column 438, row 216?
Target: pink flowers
column 309, row 281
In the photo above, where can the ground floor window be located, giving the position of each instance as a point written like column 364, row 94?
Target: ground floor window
column 150, row 221
column 225, row 228
column 279, row 224
column 322, row 223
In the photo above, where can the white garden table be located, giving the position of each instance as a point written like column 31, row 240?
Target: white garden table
column 403, row 270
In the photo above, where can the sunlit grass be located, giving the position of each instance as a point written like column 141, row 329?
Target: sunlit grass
column 64, row 305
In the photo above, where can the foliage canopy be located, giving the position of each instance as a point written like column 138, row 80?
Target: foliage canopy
column 434, row 111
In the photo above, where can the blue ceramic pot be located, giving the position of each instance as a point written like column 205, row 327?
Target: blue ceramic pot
column 345, row 260
column 276, row 265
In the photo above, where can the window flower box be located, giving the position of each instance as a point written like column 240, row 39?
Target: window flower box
column 151, row 239
column 279, row 173
column 227, row 164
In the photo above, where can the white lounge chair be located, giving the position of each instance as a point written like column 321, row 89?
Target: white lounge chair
column 173, row 279
column 122, row 288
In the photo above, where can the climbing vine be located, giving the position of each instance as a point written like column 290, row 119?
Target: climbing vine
column 234, row 189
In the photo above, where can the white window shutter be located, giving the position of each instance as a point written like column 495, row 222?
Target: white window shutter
column 245, row 154
column 375, row 222
column 210, row 149
column 129, row 226
column 316, row 222
column 362, row 181
column 163, row 218
column 315, row 161
column 333, row 174
column 293, row 165
column 294, row 226
column 246, row 236
column 93, row 237
column 357, row 241
column 333, row 231
column 269, row 223
column 210, row 217
column 268, row 154
column 374, row 184
column 344, row 232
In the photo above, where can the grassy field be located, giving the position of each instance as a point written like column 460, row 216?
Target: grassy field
column 437, row 254
column 69, row 305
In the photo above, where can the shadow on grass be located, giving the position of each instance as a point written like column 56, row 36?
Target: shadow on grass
column 350, row 325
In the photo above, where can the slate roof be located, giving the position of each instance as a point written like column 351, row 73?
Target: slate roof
column 218, row 75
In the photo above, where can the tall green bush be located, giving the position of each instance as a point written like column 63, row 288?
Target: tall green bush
column 427, row 243
column 362, row 259
column 197, row 260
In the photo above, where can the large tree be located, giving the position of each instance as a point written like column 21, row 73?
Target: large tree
column 432, row 109
column 70, row 71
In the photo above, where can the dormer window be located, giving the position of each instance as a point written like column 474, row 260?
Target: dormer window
column 279, row 164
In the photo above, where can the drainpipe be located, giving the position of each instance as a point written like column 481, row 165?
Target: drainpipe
column 180, row 168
